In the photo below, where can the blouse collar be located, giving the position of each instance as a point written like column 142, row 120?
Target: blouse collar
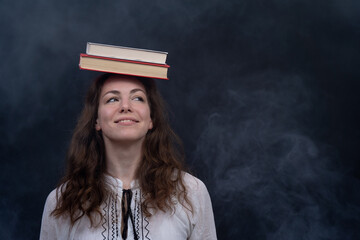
column 117, row 184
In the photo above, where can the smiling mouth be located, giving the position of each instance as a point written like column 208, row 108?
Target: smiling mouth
column 126, row 121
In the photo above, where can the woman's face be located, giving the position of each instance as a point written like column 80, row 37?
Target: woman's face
column 124, row 112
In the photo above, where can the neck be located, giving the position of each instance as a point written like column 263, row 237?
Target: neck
column 122, row 160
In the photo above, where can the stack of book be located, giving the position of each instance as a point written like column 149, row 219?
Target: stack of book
column 124, row 60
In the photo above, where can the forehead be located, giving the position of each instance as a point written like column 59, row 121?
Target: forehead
column 122, row 84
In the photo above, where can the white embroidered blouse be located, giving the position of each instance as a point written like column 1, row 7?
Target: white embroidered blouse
column 180, row 225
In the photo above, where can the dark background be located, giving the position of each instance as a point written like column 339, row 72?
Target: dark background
column 264, row 94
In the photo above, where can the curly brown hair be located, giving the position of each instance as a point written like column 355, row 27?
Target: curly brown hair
column 83, row 188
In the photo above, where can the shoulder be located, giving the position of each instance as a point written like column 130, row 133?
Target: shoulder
column 53, row 227
column 192, row 182
column 52, row 199
column 202, row 218
column 196, row 190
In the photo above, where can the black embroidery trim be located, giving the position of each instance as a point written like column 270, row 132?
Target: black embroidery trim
column 137, row 211
column 116, row 218
column 106, row 219
column 146, row 226
column 110, row 207
column 142, row 219
column 113, row 218
column 104, row 222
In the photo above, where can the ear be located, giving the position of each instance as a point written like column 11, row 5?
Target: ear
column 150, row 125
column 97, row 125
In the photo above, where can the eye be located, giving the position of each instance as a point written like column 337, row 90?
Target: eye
column 141, row 99
column 113, row 99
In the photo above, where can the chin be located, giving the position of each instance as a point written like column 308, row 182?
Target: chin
column 129, row 139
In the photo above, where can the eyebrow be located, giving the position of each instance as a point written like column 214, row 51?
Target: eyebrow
column 116, row 92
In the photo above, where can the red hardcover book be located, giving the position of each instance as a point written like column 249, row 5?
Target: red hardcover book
column 123, row 66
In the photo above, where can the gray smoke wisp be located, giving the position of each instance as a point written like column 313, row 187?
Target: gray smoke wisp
column 266, row 173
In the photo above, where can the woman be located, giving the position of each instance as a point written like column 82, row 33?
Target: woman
column 125, row 177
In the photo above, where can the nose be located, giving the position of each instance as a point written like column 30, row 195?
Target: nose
column 125, row 106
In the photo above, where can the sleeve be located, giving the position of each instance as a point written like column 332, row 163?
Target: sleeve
column 52, row 228
column 203, row 217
